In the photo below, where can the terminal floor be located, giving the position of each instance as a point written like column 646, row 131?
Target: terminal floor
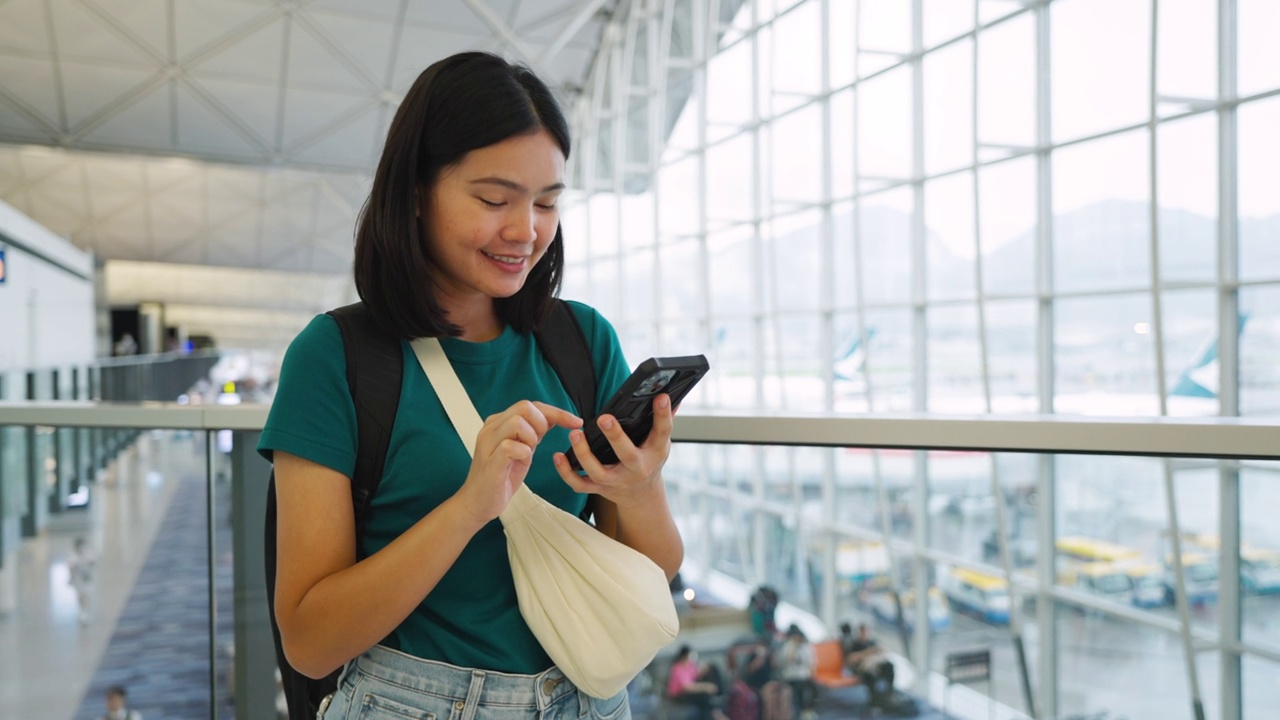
column 149, row 623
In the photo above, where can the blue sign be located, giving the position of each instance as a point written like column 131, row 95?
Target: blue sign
column 3, row 273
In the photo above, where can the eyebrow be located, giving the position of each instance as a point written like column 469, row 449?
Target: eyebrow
column 511, row 185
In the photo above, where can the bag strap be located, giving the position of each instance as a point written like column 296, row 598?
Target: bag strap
column 375, row 369
column 565, row 348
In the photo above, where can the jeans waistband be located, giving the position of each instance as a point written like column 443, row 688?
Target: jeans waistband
column 440, row 679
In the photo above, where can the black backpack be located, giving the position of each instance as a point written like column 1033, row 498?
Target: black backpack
column 375, row 369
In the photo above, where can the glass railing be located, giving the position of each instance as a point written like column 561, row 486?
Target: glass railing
column 1047, row 542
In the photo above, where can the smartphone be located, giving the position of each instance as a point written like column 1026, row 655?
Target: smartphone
column 632, row 405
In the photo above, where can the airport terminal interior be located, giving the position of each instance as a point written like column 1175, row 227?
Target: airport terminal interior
column 989, row 291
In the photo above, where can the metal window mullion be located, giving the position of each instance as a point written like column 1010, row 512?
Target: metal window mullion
column 1046, row 476
column 1229, row 531
column 620, row 76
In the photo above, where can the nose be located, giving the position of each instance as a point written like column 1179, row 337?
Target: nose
column 521, row 225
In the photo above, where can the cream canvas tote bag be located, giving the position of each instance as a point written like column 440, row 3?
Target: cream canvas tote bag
column 601, row 610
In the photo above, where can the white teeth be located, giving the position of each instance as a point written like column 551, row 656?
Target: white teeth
column 509, row 260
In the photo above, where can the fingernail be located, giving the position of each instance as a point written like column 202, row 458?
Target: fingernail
column 606, row 423
column 664, row 400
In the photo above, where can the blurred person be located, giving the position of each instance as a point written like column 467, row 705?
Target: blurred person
column 796, row 661
column 117, row 705
column 690, row 683
column 866, row 659
column 80, row 571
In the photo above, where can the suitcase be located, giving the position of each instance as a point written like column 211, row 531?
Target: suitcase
column 743, row 702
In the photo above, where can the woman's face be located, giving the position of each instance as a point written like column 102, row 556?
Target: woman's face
column 492, row 217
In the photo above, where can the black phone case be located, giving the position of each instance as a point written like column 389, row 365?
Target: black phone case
column 632, row 404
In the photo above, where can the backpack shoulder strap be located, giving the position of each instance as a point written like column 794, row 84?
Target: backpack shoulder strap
column 565, row 348
column 375, row 369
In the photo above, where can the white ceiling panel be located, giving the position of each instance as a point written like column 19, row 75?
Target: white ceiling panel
column 347, row 144
column 200, row 26
column 19, row 126
column 145, row 22
column 89, row 88
column 251, row 105
column 80, row 32
column 257, row 55
column 202, row 127
column 34, row 82
column 236, row 134
column 314, row 60
column 368, row 43
column 23, row 27
column 146, row 122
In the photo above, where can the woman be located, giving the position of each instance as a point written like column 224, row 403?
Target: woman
column 460, row 240
column 693, row 684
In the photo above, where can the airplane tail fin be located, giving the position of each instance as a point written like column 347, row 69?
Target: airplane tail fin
column 1200, row 379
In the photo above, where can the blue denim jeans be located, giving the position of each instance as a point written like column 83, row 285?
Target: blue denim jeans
column 385, row 684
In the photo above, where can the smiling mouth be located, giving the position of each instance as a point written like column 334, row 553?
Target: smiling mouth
column 506, row 259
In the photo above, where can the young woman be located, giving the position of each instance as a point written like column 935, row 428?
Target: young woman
column 460, row 240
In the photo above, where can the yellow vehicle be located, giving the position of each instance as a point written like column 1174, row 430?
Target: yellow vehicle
column 979, row 594
column 1087, row 550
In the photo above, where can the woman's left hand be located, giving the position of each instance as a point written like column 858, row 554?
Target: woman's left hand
column 639, row 468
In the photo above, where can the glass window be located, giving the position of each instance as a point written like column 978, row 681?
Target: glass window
column 1259, row 167
column 682, row 114
column 637, row 130
column 1260, row 696
column 682, row 276
column 605, row 286
column 844, row 266
column 793, row 247
column 797, row 155
column 1101, row 220
column 884, row 234
column 1258, row 68
column 884, row 125
column 955, row 361
column 945, row 19
column 1259, row 348
column 1011, row 355
column 948, row 107
column 729, row 90
column 885, row 25
column 1007, row 82
column 731, row 176
column 889, row 363
column 1191, row 352
column 949, row 244
column 1104, row 356
column 1187, row 51
column 637, row 215
column 678, row 205
column 604, row 147
column 795, row 58
column 1100, row 69
column 1187, row 193
column 1259, row 554
column 842, row 40
column 841, row 152
column 573, row 227
column 731, row 381
column 732, row 258
column 1007, row 209
column 637, row 285
column 603, row 213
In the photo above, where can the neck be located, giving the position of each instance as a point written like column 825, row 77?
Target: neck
column 478, row 318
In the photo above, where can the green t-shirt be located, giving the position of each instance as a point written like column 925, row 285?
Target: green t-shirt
column 471, row 618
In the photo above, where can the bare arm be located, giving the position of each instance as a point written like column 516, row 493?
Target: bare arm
column 331, row 608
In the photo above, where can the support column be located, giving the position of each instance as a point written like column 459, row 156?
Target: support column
column 255, row 661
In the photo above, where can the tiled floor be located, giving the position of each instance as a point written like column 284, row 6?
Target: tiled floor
column 48, row 659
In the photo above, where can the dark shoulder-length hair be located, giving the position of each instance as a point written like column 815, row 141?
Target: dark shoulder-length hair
column 462, row 103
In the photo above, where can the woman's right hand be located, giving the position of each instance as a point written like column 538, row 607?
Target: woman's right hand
column 504, row 452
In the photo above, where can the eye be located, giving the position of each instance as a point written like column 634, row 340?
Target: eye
column 547, row 206
column 490, row 203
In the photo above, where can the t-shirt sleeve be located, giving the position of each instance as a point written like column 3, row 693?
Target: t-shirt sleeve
column 312, row 415
column 606, row 352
